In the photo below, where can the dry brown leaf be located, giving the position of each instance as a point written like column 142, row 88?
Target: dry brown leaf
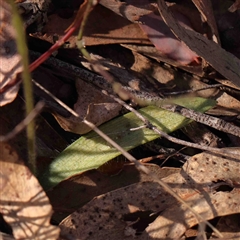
column 224, row 62
column 235, row 6
column 229, row 226
column 150, row 51
column 103, row 217
column 102, row 27
column 227, row 105
column 197, row 183
column 10, row 60
column 84, row 187
column 106, row 27
column 23, row 202
column 91, row 105
column 131, row 11
column 46, row 148
column 205, row 8
column 165, row 41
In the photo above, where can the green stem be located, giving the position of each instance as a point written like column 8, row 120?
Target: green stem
column 27, row 83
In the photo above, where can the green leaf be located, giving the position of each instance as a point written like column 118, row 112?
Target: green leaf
column 91, row 151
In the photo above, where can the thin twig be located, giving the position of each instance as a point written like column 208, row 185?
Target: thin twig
column 148, row 124
column 22, row 125
column 203, row 118
column 141, row 97
column 138, row 164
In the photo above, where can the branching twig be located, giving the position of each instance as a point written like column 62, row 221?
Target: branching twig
column 138, row 164
column 141, row 97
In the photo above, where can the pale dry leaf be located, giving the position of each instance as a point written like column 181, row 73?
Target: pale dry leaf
column 207, row 169
column 23, row 203
column 130, row 11
column 112, row 214
column 230, row 104
column 10, row 60
column 91, row 105
column 199, row 184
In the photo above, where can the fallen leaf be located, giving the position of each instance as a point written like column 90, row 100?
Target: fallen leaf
column 105, row 215
column 9, row 58
column 205, row 8
column 85, row 186
column 103, row 27
column 197, row 184
column 46, row 148
column 106, row 27
column 150, row 51
column 229, row 227
column 91, row 105
column 23, row 203
column 165, row 41
column 222, row 61
column 116, row 213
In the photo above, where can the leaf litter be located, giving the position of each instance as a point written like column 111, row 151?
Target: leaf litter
column 211, row 193
column 99, row 218
column 9, row 58
column 23, row 203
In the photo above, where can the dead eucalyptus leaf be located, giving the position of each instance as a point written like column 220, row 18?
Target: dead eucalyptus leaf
column 117, row 213
column 91, row 105
column 222, row 61
column 197, row 184
column 9, row 58
column 229, row 227
column 106, row 27
column 104, row 215
column 205, row 8
column 23, row 203
column 165, row 41
column 102, row 27
column 85, row 186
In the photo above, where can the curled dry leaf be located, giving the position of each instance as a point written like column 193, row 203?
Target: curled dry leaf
column 9, row 57
column 165, row 41
column 91, row 105
column 23, row 203
column 117, row 213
